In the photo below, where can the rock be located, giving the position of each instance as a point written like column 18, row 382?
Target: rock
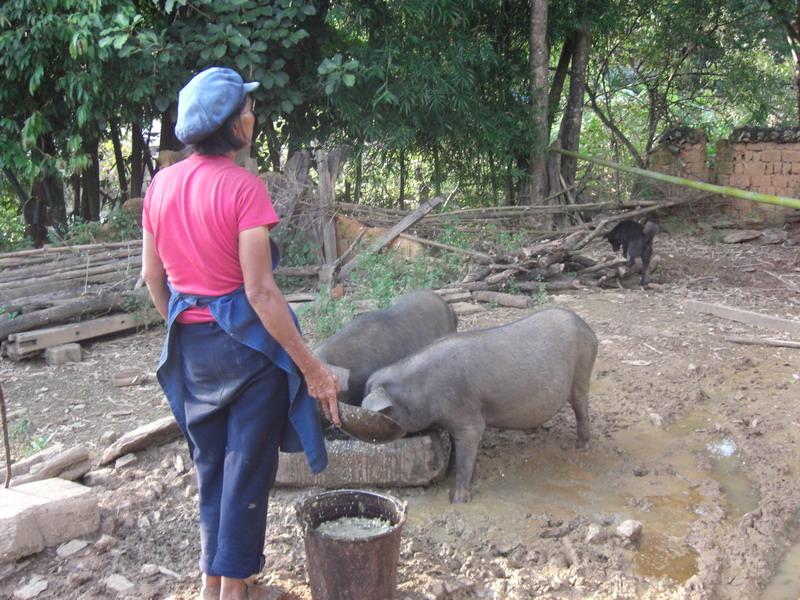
column 105, row 543
column 169, row 573
column 97, row 477
column 33, row 588
column 744, row 235
column 71, row 547
column 108, row 437
column 143, row 522
column 180, row 466
column 125, row 461
column 559, row 560
column 595, row 535
column 630, row 530
column 641, row 471
column 149, row 570
column 656, row 420
column 44, row 513
column 61, row 355
column 118, row 583
column 158, row 432
column 77, row 578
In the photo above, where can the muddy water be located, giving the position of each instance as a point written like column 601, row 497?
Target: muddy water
column 644, row 473
column 785, row 585
column 354, row 528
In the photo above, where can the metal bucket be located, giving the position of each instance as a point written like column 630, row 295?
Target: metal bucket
column 351, row 569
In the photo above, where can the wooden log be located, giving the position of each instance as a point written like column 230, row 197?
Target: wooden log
column 501, row 277
column 474, row 286
column 21, row 467
column 55, row 465
column 156, row 433
column 24, row 344
column 40, row 301
column 69, row 310
column 307, row 271
column 115, row 278
column 419, row 240
column 758, row 341
column 61, row 264
column 119, row 266
column 559, row 285
column 455, row 295
column 745, row 316
column 71, row 249
column 476, row 275
column 510, row 300
column 399, row 228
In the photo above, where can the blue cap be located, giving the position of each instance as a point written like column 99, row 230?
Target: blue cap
column 207, row 101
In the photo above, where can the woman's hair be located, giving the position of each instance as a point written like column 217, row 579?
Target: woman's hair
column 223, row 140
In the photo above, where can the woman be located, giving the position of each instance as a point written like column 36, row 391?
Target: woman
column 234, row 367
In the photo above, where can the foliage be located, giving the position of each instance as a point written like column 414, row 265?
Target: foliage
column 24, row 442
column 12, row 229
column 326, row 316
column 117, row 226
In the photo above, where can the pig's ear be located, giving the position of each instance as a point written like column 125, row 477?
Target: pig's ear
column 377, row 400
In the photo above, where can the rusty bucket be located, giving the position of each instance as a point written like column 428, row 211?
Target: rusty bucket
column 342, row 568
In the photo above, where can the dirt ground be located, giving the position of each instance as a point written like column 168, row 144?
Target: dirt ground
column 692, row 435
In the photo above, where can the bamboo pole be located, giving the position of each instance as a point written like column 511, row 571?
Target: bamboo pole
column 690, row 183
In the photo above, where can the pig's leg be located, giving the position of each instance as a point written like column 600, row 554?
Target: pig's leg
column 466, row 440
column 579, row 400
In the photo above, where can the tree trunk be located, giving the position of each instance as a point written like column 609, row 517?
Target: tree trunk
column 359, row 176
column 273, row 146
column 537, row 65
column 167, row 139
column 120, row 160
column 437, row 172
column 90, row 200
column 75, row 184
column 558, row 79
column 137, row 161
column 401, row 201
column 570, row 133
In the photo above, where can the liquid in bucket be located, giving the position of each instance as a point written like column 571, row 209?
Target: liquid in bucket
column 352, row 541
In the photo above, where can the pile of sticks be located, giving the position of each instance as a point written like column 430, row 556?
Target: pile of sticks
column 49, row 286
column 549, row 266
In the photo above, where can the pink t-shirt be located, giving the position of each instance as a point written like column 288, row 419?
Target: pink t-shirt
column 195, row 210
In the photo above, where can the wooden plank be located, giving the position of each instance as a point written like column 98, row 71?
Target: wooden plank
column 21, row 344
column 745, row 316
column 399, row 228
column 757, row 341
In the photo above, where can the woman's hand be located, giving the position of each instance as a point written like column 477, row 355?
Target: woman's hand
column 323, row 386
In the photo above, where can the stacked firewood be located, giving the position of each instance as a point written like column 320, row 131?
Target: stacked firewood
column 550, row 266
column 50, row 286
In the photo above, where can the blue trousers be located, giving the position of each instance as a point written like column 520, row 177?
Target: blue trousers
column 237, row 407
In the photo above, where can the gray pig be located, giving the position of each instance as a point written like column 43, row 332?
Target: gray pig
column 381, row 337
column 516, row 376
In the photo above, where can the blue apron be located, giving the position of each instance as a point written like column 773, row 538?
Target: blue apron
column 234, row 314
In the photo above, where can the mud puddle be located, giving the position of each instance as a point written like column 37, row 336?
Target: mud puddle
column 785, row 584
column 644, row 473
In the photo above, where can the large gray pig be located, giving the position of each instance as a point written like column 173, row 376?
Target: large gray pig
column 381, row 337
column 516, row 376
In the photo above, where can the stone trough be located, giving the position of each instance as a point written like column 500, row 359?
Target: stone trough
column 409, row 461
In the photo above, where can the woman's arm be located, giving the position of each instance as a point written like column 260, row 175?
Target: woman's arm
column 154, row 274
column 269, row 304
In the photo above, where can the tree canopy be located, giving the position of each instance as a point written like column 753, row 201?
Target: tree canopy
column 434, row 91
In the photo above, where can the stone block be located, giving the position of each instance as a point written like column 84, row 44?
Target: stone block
column 409, row 461
column 771, row 155
column 44, row 513
column 61, row 355
column 752, row 167
column 790, row 156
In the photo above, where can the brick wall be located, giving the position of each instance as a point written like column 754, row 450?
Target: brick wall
column 768, row 162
